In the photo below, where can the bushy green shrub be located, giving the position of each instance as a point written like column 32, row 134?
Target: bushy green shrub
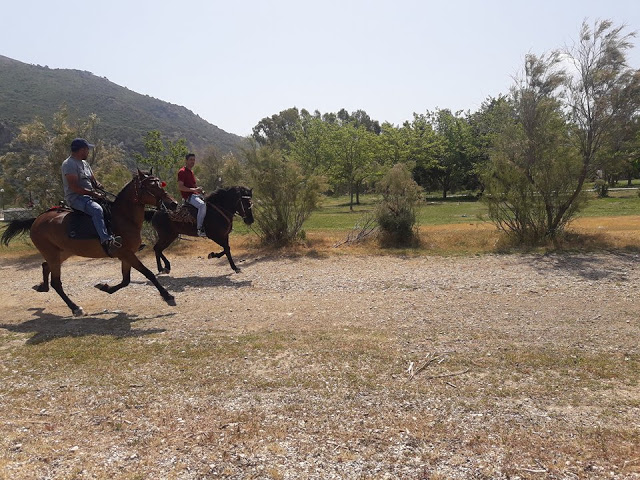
column 396, row 214
column 284, row 197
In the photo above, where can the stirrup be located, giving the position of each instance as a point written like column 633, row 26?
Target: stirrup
column 111, row 244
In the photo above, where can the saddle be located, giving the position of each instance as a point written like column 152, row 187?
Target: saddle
column 185, row 213
column 80, row 225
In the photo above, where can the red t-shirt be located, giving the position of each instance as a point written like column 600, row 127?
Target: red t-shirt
column 188, row 179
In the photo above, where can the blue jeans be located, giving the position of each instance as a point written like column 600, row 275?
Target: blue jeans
column 86, row 204
column 198, row 202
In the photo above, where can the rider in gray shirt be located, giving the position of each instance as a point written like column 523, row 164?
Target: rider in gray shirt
column 79, row 191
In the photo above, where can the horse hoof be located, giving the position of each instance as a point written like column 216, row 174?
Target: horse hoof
column 237, row 270
column 102, row 286
column 171, row 301
column 165, row 270
column 40, row 288
column 210, row 256
column 78, row 312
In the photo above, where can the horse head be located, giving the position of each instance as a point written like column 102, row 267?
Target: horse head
column 150, row 191
column 244, row 204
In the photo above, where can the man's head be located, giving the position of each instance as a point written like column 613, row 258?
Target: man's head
column 190, row 160
column 80, row 148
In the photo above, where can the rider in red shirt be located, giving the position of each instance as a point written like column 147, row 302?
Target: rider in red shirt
column 191, row 192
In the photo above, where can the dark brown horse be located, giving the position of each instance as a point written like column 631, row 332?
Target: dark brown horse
column 222, row 205
column 49, row 234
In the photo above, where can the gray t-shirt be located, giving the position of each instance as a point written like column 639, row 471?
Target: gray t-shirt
column 84, row 173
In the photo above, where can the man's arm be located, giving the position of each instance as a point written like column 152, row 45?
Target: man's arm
column 72, row 180
column 96, row 183
column 182, row 188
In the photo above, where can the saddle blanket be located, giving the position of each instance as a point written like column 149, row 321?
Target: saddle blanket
column 79, row 224
column 184, row 214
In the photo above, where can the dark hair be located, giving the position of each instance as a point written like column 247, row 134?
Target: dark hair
column 189, row 155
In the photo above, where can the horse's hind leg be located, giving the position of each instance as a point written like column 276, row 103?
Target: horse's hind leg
column 56, row 283
column 159, row 247
column 44, row 286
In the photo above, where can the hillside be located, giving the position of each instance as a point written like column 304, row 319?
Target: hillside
column 27, row 91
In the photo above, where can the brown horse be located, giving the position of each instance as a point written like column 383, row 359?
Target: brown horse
column 49, row 234
column 222, row 205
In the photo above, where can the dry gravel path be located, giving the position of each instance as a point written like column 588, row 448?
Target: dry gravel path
column 481, row 314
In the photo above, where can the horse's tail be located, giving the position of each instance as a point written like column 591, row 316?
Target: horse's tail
column 15, row 228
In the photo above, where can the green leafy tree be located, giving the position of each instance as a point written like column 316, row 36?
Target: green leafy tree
column 279, row 130
column 31, row 167
column 352, row 157
column 311, row 145
column 233, row 172
column 109, row 167
column 395, row 145
column 209, row 170
column 453, row 164
column 165, row 157
column 486, row 124
column 424, row 147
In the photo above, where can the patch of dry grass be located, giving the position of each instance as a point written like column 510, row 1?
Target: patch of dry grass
column 584, row 234
column 196, row 401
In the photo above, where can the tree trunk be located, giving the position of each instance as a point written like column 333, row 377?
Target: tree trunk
column 351, row 197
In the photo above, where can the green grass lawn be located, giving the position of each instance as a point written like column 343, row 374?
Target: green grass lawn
column 334, row 213
column 619, row 202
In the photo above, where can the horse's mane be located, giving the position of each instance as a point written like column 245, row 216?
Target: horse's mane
column 218, row 194
column 131, row 182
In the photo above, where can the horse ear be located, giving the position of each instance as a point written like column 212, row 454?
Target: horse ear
column 151, row 171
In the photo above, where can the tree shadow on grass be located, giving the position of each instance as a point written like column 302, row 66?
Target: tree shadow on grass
column 46, row 326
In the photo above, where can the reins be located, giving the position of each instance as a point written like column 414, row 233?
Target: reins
column 225, row 214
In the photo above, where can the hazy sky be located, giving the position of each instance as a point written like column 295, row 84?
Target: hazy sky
column 234, row 62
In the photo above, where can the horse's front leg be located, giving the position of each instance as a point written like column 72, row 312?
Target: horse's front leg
column 126, row 279
column 227, row 252
column 138, row 265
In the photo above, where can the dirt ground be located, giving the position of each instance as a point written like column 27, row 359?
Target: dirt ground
column 325, row 366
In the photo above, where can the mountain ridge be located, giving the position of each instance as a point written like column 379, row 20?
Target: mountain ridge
column 28, row 91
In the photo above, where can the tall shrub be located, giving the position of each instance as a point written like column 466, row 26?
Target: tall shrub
column 284, row 196
column 534, row 169
column 396, row 214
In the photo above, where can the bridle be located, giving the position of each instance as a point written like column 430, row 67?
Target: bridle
column 241, row 212
column 138, row 188
column 244, row 213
